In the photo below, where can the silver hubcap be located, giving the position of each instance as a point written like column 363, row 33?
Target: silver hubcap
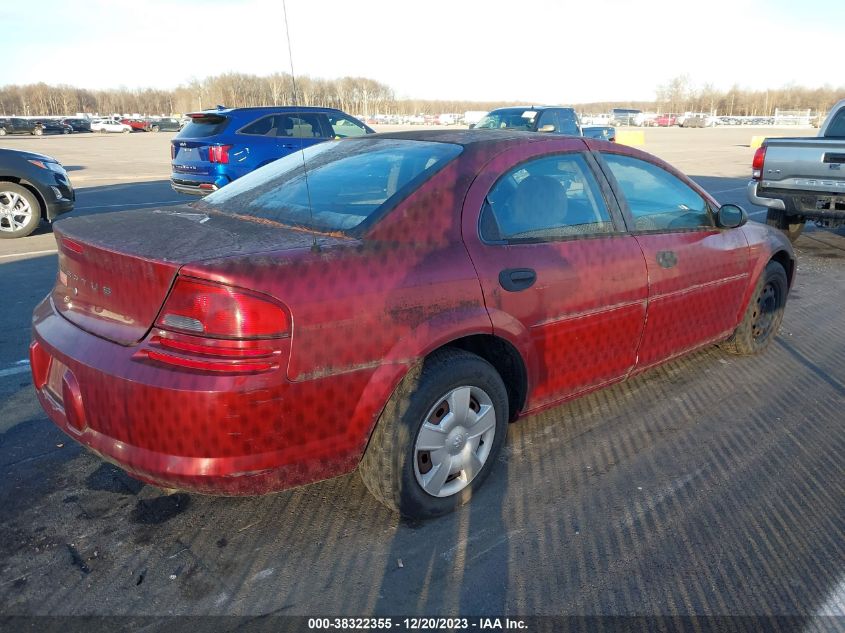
column 454, row 441
column 15, row 212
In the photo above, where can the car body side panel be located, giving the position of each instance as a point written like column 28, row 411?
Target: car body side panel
column 584, row 314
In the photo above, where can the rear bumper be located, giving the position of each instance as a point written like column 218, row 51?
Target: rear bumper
column 810, row 205
column 753, row 198
column 197, row 185
column 191, row 430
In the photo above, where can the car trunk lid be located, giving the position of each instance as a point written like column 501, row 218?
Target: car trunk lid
column 115, row 270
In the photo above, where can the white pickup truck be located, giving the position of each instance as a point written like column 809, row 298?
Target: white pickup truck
column 803, row 179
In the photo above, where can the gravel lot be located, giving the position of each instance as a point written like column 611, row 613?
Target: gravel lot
column 713, row 485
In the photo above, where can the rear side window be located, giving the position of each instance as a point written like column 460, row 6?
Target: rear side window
column 836, row 129
column 545, row 199
column 658, row 201
column 347, row 182
column 204, row 126
column 295, row 125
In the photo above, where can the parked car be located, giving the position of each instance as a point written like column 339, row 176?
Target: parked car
column 78, row 125
column 219, row 146
column 624, row 116
column 165, row 124
column 666, row 120
column 109, row 125
column 137, row 125
column 802, row 179
column 32, row 187
column 17, row 125
column 391, row 312
column 54, row 126
column 545, row 119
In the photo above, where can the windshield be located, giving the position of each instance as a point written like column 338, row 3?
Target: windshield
column 510, row 119
column 347, row 182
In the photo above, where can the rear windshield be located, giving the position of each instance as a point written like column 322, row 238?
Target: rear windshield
column 201, row 127
column 347, row 182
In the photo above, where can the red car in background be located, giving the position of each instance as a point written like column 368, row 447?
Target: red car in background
column 666, row 120
column 393, row 312
column 137, row 125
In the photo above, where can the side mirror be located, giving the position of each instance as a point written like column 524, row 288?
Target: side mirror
column 731, row 216
column 546, row 128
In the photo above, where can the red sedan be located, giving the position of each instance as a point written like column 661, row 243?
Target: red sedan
column 666, row 120
column 389, row 303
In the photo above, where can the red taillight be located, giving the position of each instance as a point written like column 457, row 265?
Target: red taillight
column 219, row 153
column 73, row 247
column 757, row 163
column 218, row 311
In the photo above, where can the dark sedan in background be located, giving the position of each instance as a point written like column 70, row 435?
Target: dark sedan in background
column 32, row 186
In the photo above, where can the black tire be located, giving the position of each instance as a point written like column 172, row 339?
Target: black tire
column 791, row 225
column 34, row 217
column 2, row 131
column 390, row 463
column 103, row 130
column 155, row 128
column 764, row 313
column 38, row 131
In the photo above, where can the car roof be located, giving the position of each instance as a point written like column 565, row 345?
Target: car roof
column 287, row 108
column 534, row 108
column 466, row 138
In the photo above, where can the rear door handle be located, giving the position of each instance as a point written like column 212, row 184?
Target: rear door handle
column 516, row 279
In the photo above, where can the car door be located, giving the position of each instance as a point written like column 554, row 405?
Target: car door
column 561, row 279
column 697, row 273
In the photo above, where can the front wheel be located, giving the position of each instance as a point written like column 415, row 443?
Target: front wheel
column 155, row 128
column 439, row 435
column 38, row 131
column 20, row 211
column 764, row 313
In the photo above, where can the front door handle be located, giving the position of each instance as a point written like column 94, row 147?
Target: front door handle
column 516, row 279
column 667, row 259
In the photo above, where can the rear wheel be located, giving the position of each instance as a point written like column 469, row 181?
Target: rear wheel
column 38, row 131
column 103, row 130
column 155, row 128
column 438, row 436
column 2, row 131
column 764, row 313
column 791, row 225
column 20, row 211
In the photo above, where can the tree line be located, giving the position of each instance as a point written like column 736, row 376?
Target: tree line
column 365, row 97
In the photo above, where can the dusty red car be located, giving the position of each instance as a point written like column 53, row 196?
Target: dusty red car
column 390, row 307
column 666, row 120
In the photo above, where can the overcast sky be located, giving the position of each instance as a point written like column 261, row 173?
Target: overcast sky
column 519, row 50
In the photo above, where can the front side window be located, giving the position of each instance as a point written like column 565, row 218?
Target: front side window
column 342, row 183
column 344, row 127
column 658, row 201
column 545, row 199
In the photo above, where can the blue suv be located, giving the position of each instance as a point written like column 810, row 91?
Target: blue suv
column 218, row 146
